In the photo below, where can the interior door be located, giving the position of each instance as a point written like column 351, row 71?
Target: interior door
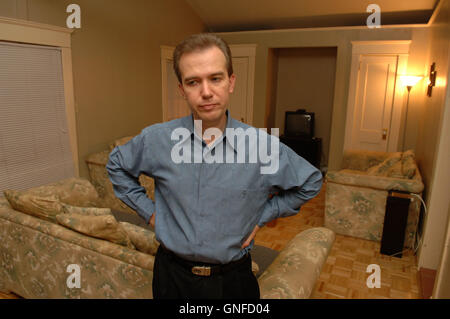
column 374, row 102
column 238, row 99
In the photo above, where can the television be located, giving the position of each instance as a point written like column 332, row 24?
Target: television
column 299, row 124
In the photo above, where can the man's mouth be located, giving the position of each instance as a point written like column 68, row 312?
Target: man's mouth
column 207, row 107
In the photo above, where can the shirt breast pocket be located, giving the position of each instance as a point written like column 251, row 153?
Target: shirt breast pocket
column 237, row 209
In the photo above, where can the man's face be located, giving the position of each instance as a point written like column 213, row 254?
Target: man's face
column 206, row 84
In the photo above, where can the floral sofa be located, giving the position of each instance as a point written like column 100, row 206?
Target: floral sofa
column 356, row 195
column 43, row 234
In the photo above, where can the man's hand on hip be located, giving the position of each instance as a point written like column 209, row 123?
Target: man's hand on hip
column 152, row 220
column 250, row 238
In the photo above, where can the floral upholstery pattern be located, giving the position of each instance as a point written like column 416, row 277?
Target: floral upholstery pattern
column 294, row 272
column 355, row 202
column 35, row 254
column 46, row 201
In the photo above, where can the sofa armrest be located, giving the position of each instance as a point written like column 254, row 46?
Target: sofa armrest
column 100, row 158
column 414, row 185
column 362, row 160
column 293, row 274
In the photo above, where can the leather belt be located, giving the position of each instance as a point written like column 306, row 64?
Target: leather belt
column 204, row 269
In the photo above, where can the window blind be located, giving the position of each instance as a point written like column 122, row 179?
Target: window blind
column 34, row 140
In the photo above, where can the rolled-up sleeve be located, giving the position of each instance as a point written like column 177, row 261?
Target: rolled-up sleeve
column 296, row 182
column 124, row 167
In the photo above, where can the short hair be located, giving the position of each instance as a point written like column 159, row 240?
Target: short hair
column 201, row 41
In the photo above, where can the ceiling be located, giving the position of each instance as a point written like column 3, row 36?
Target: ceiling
column 244, row 15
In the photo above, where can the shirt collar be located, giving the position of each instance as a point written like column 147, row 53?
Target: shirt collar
column 188, row 122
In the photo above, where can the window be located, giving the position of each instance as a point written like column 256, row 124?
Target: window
column 34, row 139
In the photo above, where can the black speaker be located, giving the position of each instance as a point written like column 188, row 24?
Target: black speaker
column 308, row 148
column 395, row 219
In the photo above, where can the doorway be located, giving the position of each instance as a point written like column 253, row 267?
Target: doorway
column 374, row 104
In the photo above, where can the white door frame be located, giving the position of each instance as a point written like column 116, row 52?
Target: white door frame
column 237, row 50
column 401, row 50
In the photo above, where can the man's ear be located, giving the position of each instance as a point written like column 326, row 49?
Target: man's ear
column 180, row 87
column 232, row 82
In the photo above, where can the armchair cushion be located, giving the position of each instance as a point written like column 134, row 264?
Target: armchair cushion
column 390, row 167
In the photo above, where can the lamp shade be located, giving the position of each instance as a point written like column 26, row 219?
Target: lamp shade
column 410, row 80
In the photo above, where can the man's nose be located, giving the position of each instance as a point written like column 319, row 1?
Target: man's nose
column 206, row 90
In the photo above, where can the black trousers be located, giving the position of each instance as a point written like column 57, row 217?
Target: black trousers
column 173, row 279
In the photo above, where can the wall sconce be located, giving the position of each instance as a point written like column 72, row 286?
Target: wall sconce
column 432, row 79
column 409, row 81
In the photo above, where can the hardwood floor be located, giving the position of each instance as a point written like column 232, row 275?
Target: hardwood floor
column 344, row 274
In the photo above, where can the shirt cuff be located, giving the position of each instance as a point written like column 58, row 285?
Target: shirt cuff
column 269, row 212
column 145, row 208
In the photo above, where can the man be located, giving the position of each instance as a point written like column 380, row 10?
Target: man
column 206, row 214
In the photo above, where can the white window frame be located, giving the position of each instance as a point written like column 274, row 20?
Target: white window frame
column 16, row 30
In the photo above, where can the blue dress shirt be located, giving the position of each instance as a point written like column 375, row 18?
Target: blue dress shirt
column 205, row 211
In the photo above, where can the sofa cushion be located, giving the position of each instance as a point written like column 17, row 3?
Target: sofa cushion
column 408, row 164
column 143, row 239
column 41, row 206
column 73, row 191
column 46, row 201
column 390, row 167
column 103, row 227
column 89, row 211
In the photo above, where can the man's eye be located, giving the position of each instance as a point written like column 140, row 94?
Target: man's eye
column 216, row 79
column 191, row 83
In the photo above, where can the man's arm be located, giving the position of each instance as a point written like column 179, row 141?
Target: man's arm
column 124, row 167
column 296, row 180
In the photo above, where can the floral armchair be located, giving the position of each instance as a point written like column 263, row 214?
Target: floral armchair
column 356, row 195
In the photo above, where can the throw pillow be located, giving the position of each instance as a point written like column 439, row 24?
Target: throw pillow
column 143, row 239
column 73, row 191
column 408, row 164
column 87, row 211
column 46, row 201
column 44, row 207
column 387, row 166
column 103, row 227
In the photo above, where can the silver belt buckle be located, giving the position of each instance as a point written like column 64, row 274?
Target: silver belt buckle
column 201, row 270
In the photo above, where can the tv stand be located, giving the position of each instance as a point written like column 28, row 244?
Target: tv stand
column 310, row 148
